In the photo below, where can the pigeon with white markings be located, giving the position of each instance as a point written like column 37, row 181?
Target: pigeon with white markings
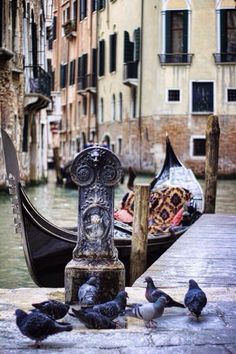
column 152, row 293
column 52, row 308
column 88, row 292
column 94, row 320
column 38, row 326
column 148, row 312
column 113, row 308
column 195, row 299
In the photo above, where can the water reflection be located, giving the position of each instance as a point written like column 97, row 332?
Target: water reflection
column 59, row 205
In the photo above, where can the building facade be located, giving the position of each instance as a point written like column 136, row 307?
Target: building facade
column 25, row 85
column 164, row 69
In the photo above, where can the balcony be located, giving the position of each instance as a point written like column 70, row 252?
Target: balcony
column 90, row 82
column 70, row 28
column 225, row 58
column 81, row 84
column 130, row 74
column 37, row 87
column 175, row 58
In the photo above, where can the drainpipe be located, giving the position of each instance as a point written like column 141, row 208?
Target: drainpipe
column 141, row 86
column 97, row 92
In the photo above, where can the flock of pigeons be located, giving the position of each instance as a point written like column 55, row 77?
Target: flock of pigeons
column 42, row 321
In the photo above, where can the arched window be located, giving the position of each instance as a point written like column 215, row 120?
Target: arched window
column 113, row 107
column 101, row 110
column 120, row 106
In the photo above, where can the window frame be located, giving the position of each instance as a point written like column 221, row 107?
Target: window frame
column 191, row 97
column 167, row 95
column 226, row 95
column 192, row 138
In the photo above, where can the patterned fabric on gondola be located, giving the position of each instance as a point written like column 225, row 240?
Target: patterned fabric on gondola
column 164, row 205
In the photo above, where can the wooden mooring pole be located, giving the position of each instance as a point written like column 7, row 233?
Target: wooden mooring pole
column 138, row 257
column 211, row 165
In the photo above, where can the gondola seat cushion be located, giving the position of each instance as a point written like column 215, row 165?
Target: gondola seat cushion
column 163, row 206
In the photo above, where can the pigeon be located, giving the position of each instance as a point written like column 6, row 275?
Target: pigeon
column 88, row 292
column 94, row 320
column 195, row 299
column 149, row 312
column 38, row 326
column 152, row 294
column 52, row 308
column 113, row 308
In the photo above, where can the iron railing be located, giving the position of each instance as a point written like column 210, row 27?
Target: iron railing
column 224, row 57
column 175, row 58
column 37, row 80
column 69, row 27
column 130, row 70
column 90, row 80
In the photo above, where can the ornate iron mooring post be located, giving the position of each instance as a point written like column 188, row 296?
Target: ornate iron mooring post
column 96, row 171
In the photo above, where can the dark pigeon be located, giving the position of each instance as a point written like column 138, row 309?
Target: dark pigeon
column 38, row 326
column 195, row 299
column 148, row 312
column 114, row 308
column 94, row 320
column 88, row 292
column 152, row 293
column 52, row 308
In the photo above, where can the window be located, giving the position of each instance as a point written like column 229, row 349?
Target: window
column 202, row 97
column 133, row 101
column 54, row 28
column 83, row 9
column 228, row 35
column 113, row 107
column 74, row 9
column 198, row 147
column 72, row 72
column 84, row 105
column 119, row 147
column 176, row 38
column 82, row 71
column 113, row 52
column 101, row 4
column 94, row 5
column 101, row 57
column 120, row 106
column 231, row 95
column 173, row 95
column 132, row 49
column 63, row 77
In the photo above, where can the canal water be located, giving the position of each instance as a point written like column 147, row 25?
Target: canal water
column 59, row 205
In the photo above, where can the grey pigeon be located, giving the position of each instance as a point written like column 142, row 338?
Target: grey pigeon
column 38, row 326
column 195, row 299
column 88, row 292
column 113, row 308
column 94, row 320
column 148, row 312
column 52, row 308
column 152, row 293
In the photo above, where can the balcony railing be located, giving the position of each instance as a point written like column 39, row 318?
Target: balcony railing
column 90, row 81
column 131, row 70
column 224, row 58
column 70, row 28
column 37, row 80
column 175, row 58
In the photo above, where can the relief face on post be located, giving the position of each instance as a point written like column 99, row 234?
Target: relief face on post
column 96, row 224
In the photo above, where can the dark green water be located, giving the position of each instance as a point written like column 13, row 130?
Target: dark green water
column 59, row 205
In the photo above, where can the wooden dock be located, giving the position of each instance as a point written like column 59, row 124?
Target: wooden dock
column 206, row 253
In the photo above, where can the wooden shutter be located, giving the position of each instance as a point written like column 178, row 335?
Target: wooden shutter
column 223, row 31
column 81, row 10
column 128, row 48
column 137, row 36
column 72, row 72
column 101, row 58
column 168, row 31
column 185, row 34
column 112, row 52
column 54, row 28
column 94, row 59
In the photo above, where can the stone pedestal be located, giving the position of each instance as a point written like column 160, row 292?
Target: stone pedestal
column 96, row 171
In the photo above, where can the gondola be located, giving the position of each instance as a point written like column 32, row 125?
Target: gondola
column 48, row 248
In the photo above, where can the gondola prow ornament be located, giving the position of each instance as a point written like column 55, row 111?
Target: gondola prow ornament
column 96, row 171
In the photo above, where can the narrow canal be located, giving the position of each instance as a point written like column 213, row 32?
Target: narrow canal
column 59, row 205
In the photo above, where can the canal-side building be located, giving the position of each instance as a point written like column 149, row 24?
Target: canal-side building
column 11, row 75
column 165, row 66
column 74, row 64
column 24, row 85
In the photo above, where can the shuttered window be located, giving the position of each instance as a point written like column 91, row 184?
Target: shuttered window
column 94, row 61
column 72, row 72
column 82, row 71
column 101, row 58
column 128, row 48
column 83, row 9
column 113, row 52
column 137, row 36
column 63, row 75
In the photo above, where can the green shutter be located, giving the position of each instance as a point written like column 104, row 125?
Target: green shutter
column 185, row 34
column 137, row 36
column 168, row 31
column 112, row 52
column 128, row 48
column 101, row 58
column 223, row 31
